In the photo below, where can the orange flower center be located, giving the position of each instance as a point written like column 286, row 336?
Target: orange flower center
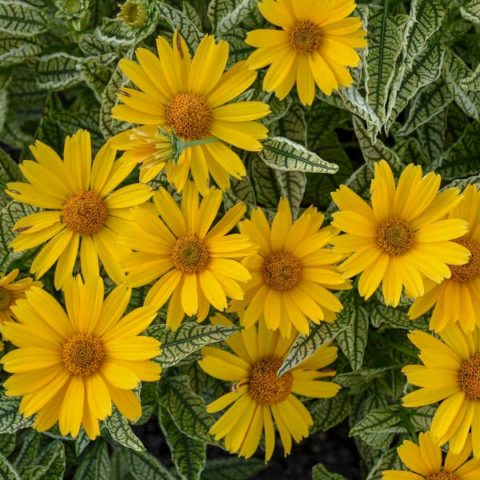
column 263, row 384
column 442, row 476
column 83, row 354
column 282, row 271
column 190, row 116
column 5, row 298
column 305, row 37
column 190, row 255
column 469, row 377
column 84, row 213
column 395, row 237
column 471, row 270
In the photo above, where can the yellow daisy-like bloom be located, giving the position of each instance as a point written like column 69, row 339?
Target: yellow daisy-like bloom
column 315, row 45
column 10, row 292
column 457, row 298
column 190, row 96
column 70, row 365
column 403, row 237
column 195, row 264
column 293, row 272
column 260, row 399
column 82, row 212
column 450, row 375
column 426, row 463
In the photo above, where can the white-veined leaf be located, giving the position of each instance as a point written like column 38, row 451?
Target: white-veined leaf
column 21, row 19
column 388, row 461
column 321, row 472
column 15, row 50
column 180, row 22
column 57, row 71
column 328, row 412
column 96, row 463
column 120, row 430
column 144, row 466
column 471, row 11
column 232, row 19
column 7, row 471
column 10, row 418
column 232, row 468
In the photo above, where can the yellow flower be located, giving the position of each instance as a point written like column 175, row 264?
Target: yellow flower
column 260, row 399
column 293, row 272
column 457, row 298
column 314, row 46
column 70, row 365
column 190, row 96
column 450, row 375
column 403, row 237
column 426, row 463
column 195, row 264
column 82, row 212
column 10, row 292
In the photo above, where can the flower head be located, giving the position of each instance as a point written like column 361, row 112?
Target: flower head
column 293, row 272
column 315, row 44
column 403, row 237
column 70, row 365
column 190, row 96
column 195, row 264
column 262, row 400
column 82, row 211
column 133, row 13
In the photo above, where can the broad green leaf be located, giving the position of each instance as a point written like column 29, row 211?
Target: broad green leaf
column 472, row 82
column 97, row 74
column 10, row 418
column 81, row 442
column 53, row 459
column 144, row 466
column 421, row 418
column 292, row 186
column 189, row 338
column 218, row 9
column 149, row 399
column 267, row 190
column 432, row 137
column 180, row 22
column 388, row 461
column 240, row 191
column 188, row 454
column 328, row 412
column 7, row 471
column 463, row 182
column 410, row 150
column 293, row 125
column 284, row 154
column 238, row 49
column 70, row 122
column 21, row 19
column 121, row 432
column 187, row 409
column 7, row 443
column 15, row 50
column 233, row 18
column 359, row 381
column 321, row 472
column 9, row 172
column 96, row 463
column 192, row 14
column 389, row 317
column 57, row 71
column 232, row 468
column 471, row 11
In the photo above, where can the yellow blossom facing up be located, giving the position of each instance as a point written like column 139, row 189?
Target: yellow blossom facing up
column 315, row 45
column 457, row 299
column 450, row 374
column 293, row 272
column 190, row 96
column 82, row 208
column 425, row 462
column 403, row 237
column 262, row 401
column 72, row 363
column 194, row 264
column 10, row 292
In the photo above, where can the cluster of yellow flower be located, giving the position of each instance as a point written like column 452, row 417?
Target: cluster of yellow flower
column 72, row 363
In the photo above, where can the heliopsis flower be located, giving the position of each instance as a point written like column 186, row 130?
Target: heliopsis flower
column 10, row 292
column 262, row 400
column 195, row 264
column 293, row 272
column 457, row 299
column 314, row 45
column 70, row 365
column 190, row 97
column 450, row 374
column 82, row 209
column 426, row 463
column 403, row 237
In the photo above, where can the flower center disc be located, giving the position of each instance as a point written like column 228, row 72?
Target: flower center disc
column 190, row 116
column 471, row 270
column 264, row 385
column 282, row 271
column 442, row 476
column 5, row 298
column 469, row 377
column 305, row 37
column 395, row 237
column 190, row 255
column 84, row 213
column 83, row 354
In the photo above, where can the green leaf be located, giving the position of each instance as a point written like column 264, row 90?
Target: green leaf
column 389, row 317
column 188, row 455
column 21, row 19
column 7, row 471
column 267, row 190
column 81, row 442
column 10, row 418
column 15, row 50
column 180, row 22
column 187, row 409
column 292, row 186
column 328, row 412
column 283, row 154
column 189, row 338
column 421, row 418
column 144, row 466
column 121, row 432
column 218, row 9
column 321, row 472
column 9, row 172
column 57, row 71
column 232, row 468
column 97, row 74
column 432, row 137
column 472, row 82
column 238, row 49
column 240, row 191
column 96, row 463
column 471, row 11
column 388, row 461
column 53, row 459
column 234, row 17
column 7, row 443
column 359, row 381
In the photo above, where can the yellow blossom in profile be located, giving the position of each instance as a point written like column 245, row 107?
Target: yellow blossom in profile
column 83, row 209
column 314, row 46
column 457, row 299
column 191, row 97
column 425, row 462
column 403, row 237
column 194, row 265
column 450, row 374
column 72, row 363
column 293, row 273
column 261, row 402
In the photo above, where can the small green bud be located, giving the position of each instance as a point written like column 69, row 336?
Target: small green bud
column 133, row 13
